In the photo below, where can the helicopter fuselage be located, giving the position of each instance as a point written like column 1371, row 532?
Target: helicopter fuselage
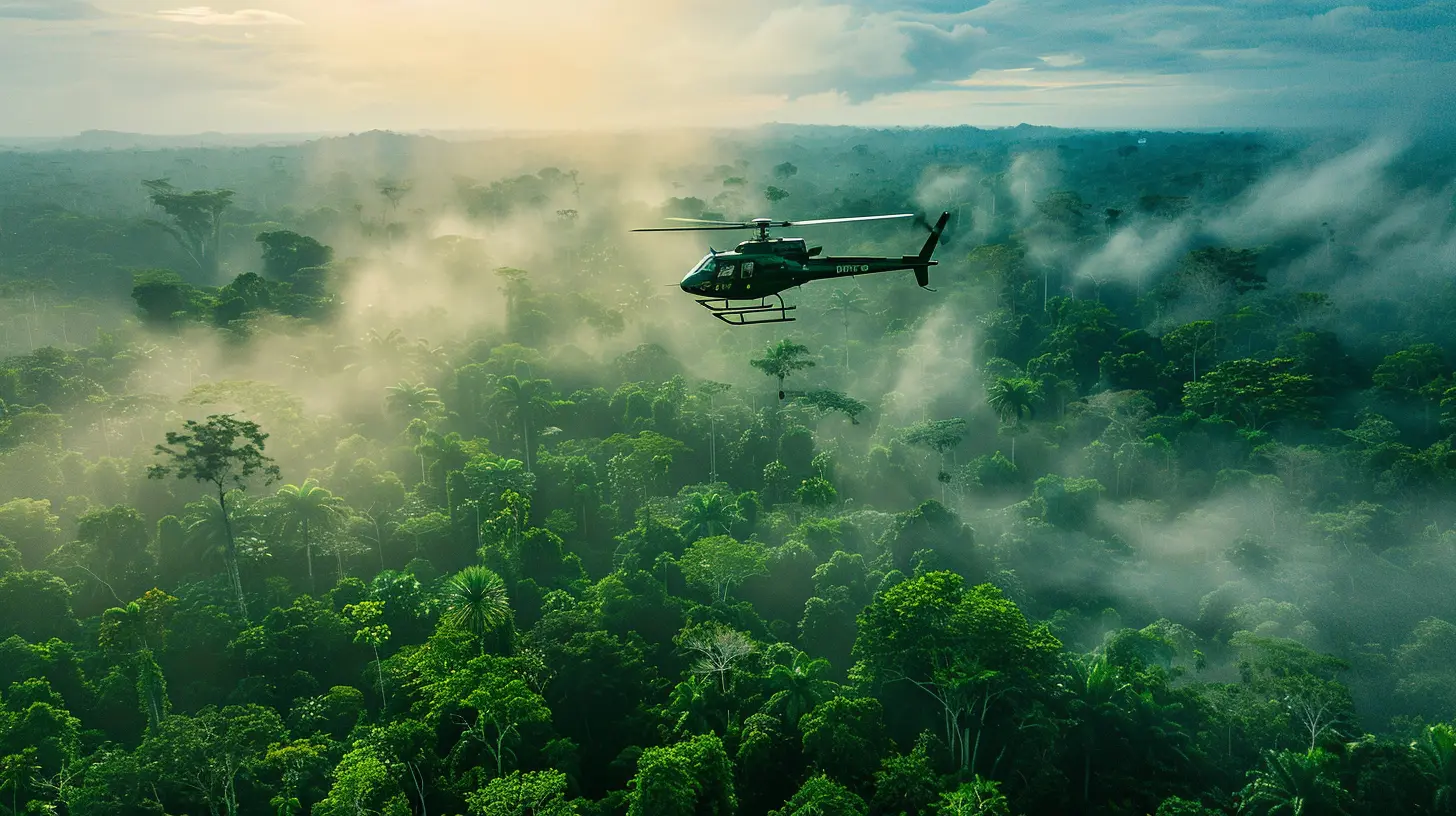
column 758, row 269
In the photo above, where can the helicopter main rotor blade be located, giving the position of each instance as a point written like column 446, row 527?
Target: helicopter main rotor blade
column 844, row 220
column 744, row 224
column 687, row 229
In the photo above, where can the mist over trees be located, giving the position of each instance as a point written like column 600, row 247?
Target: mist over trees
column 390, row 474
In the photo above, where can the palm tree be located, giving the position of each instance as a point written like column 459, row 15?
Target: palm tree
column 707, row 514
column 781, row 359
column 798, row 687
column 847, row 302
column 1295, row 784
column 1096, row 692
column 1436, row 755
column 520, row 400
column 303, row 509
column 1013, row 398
column 376, row 351
column 475, row 600
column 412, row 399
column 430, row 358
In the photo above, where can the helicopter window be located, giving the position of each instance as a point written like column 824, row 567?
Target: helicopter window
column 726, row 270
column 748, row 269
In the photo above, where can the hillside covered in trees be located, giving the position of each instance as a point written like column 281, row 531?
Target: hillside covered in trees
column 392, row 475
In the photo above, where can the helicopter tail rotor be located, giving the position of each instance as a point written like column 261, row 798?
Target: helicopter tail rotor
column 929, row 248
column 921, row 263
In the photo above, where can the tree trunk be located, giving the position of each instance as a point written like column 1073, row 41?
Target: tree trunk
column 526, row 434
column 308, row 554
column 1086, row 776
column 379, row 670
column 417, row 777
column 232, row 553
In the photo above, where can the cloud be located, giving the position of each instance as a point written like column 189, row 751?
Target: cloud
column 437, row 64
column 1063, row 60
column 205, row 15
column 47, row 10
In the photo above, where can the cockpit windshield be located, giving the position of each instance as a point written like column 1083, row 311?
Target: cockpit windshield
column 706, row 265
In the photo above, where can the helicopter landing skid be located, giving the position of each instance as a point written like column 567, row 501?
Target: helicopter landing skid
column 751, row 315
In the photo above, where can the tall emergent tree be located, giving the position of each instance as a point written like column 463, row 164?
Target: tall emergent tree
column 225, row 452
column 196, row 220
column 782, row 359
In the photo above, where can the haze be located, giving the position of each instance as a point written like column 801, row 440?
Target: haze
column 351, row 65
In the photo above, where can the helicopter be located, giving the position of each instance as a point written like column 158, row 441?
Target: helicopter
column 760, row 268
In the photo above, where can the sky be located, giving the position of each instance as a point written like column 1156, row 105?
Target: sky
column 290, row 66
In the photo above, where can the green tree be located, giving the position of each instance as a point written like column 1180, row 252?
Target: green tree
column 1013, row 399
column 824, row 401
column 966, row 649
column 979, row 797
column 286, row 253
column 821, row 796
column 907, row 784
column 224, row 452
column 35, row 530
column 475, row 601
column 1295, row 784
column 941, row 436
column 532, row 793
column 707, row 514
column 722, row 562
column 369, row 627
column 16, row 772
column 782, row 359
column 204, row 756
column 1254, row 392
column 690, row 778
column 816, row 491
column 115, row 541
column 1435, row 752
column 503, row 702
column 297, row 762
column 523, row 402
column 1192, row 341
column 845, row 738
column 366, row 781
column 196, row 221
column 412, row 400
column 305, row 510
column 163, row 297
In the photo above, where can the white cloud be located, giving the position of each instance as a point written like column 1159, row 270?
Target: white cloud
column 1063, row 60
column 205, row 15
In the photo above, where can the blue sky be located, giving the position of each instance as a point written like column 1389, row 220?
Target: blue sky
column 348, row 65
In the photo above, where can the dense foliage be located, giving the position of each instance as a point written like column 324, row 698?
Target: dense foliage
column 335, row 479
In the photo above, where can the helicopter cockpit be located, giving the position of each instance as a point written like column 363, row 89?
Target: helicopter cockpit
column 701, row 274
